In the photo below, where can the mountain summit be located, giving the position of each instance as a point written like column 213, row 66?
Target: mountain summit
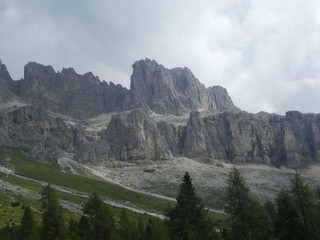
column 167, row 113
column 164, row 91
column 174, row 91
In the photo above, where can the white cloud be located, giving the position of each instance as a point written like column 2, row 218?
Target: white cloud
column 265, row 52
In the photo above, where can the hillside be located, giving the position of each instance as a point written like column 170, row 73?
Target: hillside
column 147, row 136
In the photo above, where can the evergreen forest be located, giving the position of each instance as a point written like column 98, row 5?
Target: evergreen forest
column 293, row 215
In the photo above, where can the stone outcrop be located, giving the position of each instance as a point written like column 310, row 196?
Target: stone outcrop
column 291, row 140
column 5, row 81
column 154, row 87
column 32, row 127
column 174, row 91
column 68, row 93
column 150, row 120
column 135, row 137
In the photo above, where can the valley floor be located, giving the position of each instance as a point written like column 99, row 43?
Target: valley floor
column 162, row 178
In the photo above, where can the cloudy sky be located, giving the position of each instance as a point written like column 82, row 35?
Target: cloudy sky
column 265, row 52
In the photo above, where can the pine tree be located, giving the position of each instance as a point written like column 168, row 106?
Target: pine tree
column 102, row 224
column 188, row 219
column 84, row 228
column 140, row 229
column 27, row 229
column 52, row 218
column 296, row 212
column 247, row 217
column 127, row 229
column 155, row 230
column 72, row 231
column 317, row 193
column 149, row 233
column 286, row 223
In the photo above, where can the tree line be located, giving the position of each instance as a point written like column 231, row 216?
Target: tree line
column 293, row 215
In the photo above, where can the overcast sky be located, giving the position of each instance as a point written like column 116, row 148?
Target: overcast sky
column 265, row 52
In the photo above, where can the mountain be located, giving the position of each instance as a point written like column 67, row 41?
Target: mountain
column 5, row 94
column 167, row 113
column 174, row 91
column 68, row 93
column 164, row 91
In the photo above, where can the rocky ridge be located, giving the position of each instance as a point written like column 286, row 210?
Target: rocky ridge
column 167, row 113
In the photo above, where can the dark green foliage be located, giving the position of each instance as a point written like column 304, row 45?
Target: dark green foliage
column 72, row 231
column 27, row 229
column 297, row 212
column 286, row 224
column 52, row 218
column 270, row 208
column 140, row 229
column 317, row 193
column 8, row 233
column 127, row 229
column 248, row 220
column 155, row 230
column 188, row 219
column 101, row 221
column 84, row 228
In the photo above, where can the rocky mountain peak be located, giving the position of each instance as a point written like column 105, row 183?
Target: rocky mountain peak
column 174, row 91
column 5, row 82
column 164, row 91
column 4, row 74
column 126, row 128
column 220, row 99
column 33, row 70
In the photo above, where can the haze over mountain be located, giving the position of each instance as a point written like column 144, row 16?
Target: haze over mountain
column 266, row 53
column 167, row 113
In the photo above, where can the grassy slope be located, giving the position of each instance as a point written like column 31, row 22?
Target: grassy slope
column 12, row 216
column 29, row 167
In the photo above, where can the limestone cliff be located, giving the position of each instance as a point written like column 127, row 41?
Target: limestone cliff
column 174, row 91
column 167, row 113
column 68, row 93
column 291, row 140
column 5, row 81
column 135, row 137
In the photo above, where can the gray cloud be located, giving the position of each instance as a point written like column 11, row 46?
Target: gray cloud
column 266, row 52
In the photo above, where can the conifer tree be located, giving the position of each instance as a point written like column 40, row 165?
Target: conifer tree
column 149, row 233
column 127, row 229
column 155, row 230
column 84, row 228
column 72, row 231
column 286, row 223
column 140, row 229
column 247, row 217
column 188, row 219
column 27, row 229
column 52, row 218
column 102, row 224
column 297, row 216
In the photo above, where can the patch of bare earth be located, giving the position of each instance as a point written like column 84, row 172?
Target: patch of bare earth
column 164, row 177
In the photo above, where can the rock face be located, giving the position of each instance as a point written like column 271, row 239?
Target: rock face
column 135, row 137
column 291, row 140
column 5, row 80
column 167, row 113
column 174, row 91
column 68, row 93
column 32, row 127
column 165, row 91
